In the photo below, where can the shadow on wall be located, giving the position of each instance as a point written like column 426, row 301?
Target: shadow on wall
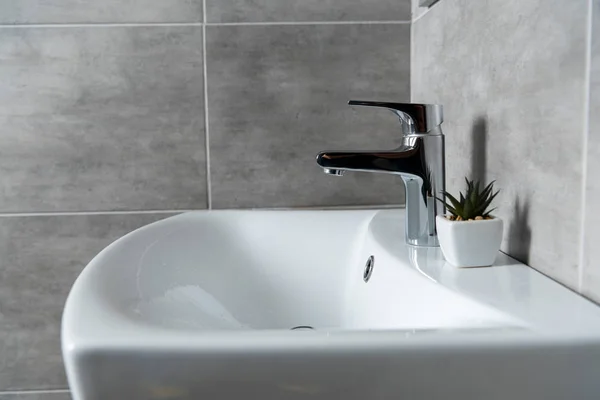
column 519, row 233
column 479, row 134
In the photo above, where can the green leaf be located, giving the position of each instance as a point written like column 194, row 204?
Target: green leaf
column 453, row 200
column 467, row 210
column 487, row 214
column 472, row 198
column 450, row 208
column 488, row 189
column 452, row 211
column 482, row 208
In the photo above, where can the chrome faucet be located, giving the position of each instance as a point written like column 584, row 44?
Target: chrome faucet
column 419, row 161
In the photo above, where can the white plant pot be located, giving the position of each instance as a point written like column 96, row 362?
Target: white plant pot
column 470, row 243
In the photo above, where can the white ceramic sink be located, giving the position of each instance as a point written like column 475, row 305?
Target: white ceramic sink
column 201, row 306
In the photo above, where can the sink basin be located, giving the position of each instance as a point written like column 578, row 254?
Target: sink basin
column 317, row 305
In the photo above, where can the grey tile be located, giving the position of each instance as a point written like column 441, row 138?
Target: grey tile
column 511, row 77
column 591, row 262
column 106, row 11
column 101, row 119
column 41, row 257
column 307, row 10
column 277, row 95
column 36, row 396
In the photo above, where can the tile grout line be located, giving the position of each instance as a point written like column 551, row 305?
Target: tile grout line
column 103, row 25
column 586, row 126
column 184, row 24
column 142, row 212
column 284, row 23
column 206, row 121
column 93, row 213
column 34, row 391
column 412, row 57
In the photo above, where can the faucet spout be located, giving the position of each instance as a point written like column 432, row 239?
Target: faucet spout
column 391, row 162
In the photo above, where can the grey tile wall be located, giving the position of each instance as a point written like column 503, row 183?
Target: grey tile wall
column 307, row 10
column 591, row 259
column 102, row 109
column 93, row 118
column 105, row 11
column 41, row 257
column 278, row 95
column 118, row 111
column 511, row 75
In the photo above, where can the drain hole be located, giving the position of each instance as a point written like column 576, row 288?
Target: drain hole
column 302, row 328
column 369, row 268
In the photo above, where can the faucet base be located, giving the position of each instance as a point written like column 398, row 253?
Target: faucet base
column 431, row 241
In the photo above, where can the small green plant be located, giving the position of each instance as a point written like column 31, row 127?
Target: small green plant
column 473, row 205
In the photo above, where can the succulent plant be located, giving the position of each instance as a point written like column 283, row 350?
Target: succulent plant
column 473, row 204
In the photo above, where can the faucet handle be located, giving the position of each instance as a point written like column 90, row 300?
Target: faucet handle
column 415, row 118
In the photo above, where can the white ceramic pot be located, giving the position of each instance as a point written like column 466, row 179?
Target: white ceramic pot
column 470, row 243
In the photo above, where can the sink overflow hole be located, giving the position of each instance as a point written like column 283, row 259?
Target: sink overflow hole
column 302, row 328
column 369, row 268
